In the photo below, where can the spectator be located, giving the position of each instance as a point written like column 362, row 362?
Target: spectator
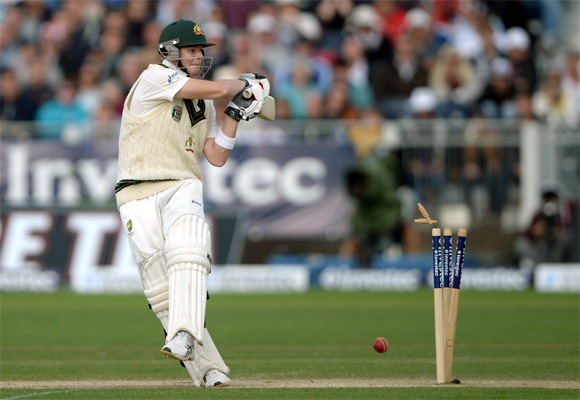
column 378, row 223
column 524, row 106
column 172, row 10
column 9, row 36
column 92, row 14
column 241, row 61
column 336, row 104
column 235, row 14
column 497, row 99
column 295, row 24
column 129, row 68
column 548, row 237
column 486, row 165
column 14, row 105
column 113, row 41
column 106, row 123
column 53, row 35
column 32, row 15
column 217, row 32
column 33, row 63
column 304, row 51
column 394, row 80
column 151, row 32
column 442, row 11
column 424, row 170
column 137, row 13
column 364, row 24
column 89, row 91
column 490, row 51
column 552, row 103
column 112, row 96
column 266, row 48
column 333, row 15
column 56, row 118
column 517, row 47
column 426, row 40
column 75, row 45
column 464, row 29
column 455, row 83
column 391, row 18
column 41, row 80
column 366, row 132
column 300, row 98
column 549, row 14
column 571, row 79
column 360, row 94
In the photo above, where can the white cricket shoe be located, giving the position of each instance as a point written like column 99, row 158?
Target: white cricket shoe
column 216, row 378
column 181, row 347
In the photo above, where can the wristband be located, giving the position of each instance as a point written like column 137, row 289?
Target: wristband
column 224, row 141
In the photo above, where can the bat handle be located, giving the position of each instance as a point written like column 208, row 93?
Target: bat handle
column 247, row 93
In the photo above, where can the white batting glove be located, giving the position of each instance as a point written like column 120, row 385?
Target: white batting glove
column 253, row 77
column 250, row 100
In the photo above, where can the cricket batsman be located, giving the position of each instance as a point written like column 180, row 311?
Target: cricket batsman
column 168, row 122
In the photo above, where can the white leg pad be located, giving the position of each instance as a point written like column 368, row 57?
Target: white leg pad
column 187, row 300
column 188, row 255
column 156, row 289
column 156, row 285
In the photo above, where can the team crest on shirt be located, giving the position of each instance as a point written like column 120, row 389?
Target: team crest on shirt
column 189, row 144
column 176, row 113
column 197, row 30
column 130, row 227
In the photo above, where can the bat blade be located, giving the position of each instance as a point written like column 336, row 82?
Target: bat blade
column 268, row 111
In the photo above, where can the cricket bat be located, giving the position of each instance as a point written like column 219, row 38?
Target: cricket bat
column 268, row 111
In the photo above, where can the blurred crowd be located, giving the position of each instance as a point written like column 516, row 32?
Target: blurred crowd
column 67, row 65
column 75, row 60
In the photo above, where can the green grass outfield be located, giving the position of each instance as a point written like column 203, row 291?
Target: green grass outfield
column 293, row 346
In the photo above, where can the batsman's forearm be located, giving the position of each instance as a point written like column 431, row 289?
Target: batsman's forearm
column 231, row 87
column 216, row 154
column 199, row 89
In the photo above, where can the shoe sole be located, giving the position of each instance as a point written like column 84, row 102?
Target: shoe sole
column 167, row 353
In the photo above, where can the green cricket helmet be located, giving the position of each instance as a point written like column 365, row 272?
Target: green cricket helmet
column 179, row 34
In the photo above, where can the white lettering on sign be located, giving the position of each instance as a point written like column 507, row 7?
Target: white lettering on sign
column 89, row 230
column 57, row 180
column 50, row 173
column 254, row 182
column 261, row 182
column 292, row 185
column 100, row 183
column 17, row 175
column 25, row 237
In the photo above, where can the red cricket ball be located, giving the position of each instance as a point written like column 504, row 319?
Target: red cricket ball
column 381, row 345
